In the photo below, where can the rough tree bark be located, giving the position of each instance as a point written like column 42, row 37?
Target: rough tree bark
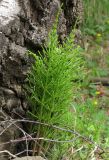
column 24, row 24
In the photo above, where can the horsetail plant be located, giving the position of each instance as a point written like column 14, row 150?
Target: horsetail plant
column 50, row 87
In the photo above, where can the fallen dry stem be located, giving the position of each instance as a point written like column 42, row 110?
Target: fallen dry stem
column 14, row 121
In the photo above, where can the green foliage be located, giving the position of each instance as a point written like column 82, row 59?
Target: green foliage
column 91, row 122
column 96, row 13
column 97, row 61
column 51, row 89
column 90, row 107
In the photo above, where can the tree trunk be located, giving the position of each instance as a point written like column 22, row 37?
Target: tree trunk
column 24, row 25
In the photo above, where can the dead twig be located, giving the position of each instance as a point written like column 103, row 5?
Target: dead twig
column 100, row 80
column 6, row 151
column 13, row 122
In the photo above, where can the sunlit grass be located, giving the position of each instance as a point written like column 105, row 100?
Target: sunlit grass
column 96, row 16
